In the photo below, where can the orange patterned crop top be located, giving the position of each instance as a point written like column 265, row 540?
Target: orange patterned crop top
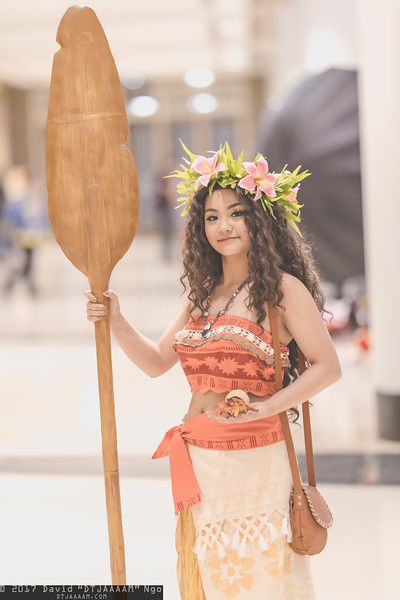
column 233, row 355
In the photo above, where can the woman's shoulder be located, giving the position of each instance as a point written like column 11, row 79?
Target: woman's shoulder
column 292, row 288
column 296, row 302
column 289, row 285
column 293, row 292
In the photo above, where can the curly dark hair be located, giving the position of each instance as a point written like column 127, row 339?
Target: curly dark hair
column 275, row 248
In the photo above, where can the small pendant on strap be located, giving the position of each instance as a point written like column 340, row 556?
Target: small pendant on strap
column 206, row 329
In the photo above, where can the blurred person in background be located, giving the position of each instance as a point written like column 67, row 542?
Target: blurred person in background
column 4, row 241
column 165, row 199
column 25, row 224
column 233, row 531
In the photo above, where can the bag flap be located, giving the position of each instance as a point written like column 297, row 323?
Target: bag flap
column 318, row 506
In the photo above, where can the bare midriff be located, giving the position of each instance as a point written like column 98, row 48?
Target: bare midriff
column 204, row 401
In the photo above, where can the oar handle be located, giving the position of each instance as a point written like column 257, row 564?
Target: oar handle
column 110, row 452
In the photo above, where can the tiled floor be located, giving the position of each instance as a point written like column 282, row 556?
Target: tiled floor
column 52, row 513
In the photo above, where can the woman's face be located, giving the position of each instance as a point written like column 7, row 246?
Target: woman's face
column 223, row 219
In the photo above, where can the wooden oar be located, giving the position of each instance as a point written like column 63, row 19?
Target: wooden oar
column 93, row 202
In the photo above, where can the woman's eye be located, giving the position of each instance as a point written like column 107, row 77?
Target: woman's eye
column 235, row 212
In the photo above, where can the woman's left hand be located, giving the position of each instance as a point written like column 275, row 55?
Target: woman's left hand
column 261, row 407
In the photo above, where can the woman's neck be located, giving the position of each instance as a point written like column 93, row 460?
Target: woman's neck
column 235, row 269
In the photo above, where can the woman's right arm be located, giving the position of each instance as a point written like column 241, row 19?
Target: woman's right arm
column 154, row 359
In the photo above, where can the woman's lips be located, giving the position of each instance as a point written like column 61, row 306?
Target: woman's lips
column 228, row 239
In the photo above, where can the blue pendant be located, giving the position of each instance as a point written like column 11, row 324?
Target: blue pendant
column 205, row 330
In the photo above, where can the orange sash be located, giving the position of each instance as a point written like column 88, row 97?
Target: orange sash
column 203, row 431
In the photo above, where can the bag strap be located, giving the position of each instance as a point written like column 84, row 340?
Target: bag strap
column 297, row 484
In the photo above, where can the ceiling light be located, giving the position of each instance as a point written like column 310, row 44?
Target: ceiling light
column 134, row 82
column 203, row 103
column 143, row 106
column 199, row 77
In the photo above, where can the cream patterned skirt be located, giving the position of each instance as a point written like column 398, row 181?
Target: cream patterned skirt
column 235, row 542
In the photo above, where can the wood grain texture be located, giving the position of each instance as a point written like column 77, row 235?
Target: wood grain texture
column 91, row 176
column 93, row 201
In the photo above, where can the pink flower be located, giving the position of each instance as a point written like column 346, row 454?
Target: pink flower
column 292, row 196
column 259, row 179
column 207, row 167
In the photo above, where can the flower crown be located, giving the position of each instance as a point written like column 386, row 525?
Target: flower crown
column 253, row 177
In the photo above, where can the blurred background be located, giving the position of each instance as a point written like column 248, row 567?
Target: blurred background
column 307, row 82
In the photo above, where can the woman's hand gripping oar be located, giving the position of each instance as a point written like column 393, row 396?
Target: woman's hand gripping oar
column 93, row 202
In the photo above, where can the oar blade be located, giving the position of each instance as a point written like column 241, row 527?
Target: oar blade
column 92, row 181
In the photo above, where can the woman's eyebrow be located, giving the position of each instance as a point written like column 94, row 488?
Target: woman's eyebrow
column 228, row 207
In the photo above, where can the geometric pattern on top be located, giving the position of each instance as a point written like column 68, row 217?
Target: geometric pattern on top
column 234, row 354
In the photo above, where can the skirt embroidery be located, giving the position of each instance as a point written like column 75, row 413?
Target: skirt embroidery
column 235, row 534
column 286, row 575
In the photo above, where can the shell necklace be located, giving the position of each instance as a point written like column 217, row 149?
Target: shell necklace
column 209, row 324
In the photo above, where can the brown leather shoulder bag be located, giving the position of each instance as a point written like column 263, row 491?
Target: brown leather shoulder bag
column 310, row 516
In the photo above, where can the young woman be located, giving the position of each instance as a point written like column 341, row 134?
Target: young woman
column 231, row 478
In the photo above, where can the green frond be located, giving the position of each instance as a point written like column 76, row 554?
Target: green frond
column 293, row 224
column 188, row 152
column 239, row 163
column 211, row 189
column 229, row 154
